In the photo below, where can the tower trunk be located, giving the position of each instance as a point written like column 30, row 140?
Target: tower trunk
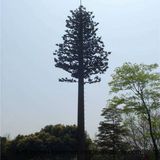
column 81, row 130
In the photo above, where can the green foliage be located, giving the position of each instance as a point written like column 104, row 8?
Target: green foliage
column 111, row 131
column 136, row 89
column 134, row 76
column 51, row 139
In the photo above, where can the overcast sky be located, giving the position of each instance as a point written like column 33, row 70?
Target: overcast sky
column 31, row 96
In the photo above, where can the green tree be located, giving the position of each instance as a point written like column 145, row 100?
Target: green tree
column 82, row 55
column 112, row 132
column 137, row 89
column 54, row 139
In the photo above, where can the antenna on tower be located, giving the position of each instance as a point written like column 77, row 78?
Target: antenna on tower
column 80, row 2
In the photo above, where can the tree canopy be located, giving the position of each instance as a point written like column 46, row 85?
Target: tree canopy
column 50, row 139
column 112, row 131
column 136, row 89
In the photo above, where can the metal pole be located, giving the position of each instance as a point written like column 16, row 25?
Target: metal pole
column 80, row 2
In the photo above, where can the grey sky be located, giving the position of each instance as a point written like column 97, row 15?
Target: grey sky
column 31, row 95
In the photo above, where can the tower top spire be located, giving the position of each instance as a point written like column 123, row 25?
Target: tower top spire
column 80, row 2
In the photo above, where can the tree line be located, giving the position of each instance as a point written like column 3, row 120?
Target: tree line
column 52, row 139
column 132, row 115
column 131, row 121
